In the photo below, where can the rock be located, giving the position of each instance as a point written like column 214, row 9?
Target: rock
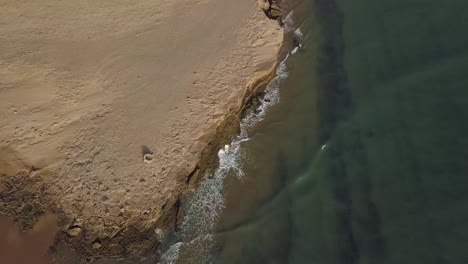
column 147, row 154
column 263, row 4
column 97, row 244
column 74, row 231
column 275, row 11
column 148, row 158
column 271, row 8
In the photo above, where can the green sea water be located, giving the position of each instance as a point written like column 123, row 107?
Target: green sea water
column 365, row 158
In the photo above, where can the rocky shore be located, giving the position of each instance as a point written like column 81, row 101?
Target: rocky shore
column 106, row 206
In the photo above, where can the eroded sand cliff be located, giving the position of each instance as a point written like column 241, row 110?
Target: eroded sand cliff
column 106, row 108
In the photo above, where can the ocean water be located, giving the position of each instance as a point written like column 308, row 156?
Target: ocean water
column 359, row 153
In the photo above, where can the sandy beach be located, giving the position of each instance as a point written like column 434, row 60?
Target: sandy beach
column 106, row 107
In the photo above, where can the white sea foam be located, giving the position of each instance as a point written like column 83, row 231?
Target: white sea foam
column 272, row 97
column 298, row 34
column 171, row 255
column 299, row 37
column 288, row 22
column 295, row 50
column 206, row 203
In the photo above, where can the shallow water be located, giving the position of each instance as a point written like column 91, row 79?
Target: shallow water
column 364, row 159
column 30, row 247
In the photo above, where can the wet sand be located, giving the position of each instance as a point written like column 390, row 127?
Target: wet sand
column 32, row 247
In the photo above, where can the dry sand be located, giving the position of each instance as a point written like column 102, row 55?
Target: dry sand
column 85, row 84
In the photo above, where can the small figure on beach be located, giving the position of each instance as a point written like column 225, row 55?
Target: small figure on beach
column 147, row 154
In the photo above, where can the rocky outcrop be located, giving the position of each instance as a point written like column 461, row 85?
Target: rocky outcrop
column 230, row 126
column 271, row 8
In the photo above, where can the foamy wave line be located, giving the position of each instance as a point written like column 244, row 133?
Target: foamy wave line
column 298, row 36
column 207, row 201
column 171, row 255
column 271, row 97
column 288, row 22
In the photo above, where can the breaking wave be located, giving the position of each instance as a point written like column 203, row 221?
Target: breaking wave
column 288, row 22
column 206, row 202
column 298, row 37
column 171, row 255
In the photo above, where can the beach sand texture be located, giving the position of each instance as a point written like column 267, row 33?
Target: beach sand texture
column 87, row 88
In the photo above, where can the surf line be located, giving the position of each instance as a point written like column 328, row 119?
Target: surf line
column 195, row 238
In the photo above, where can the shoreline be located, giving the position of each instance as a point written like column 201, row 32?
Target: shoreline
column 208, row 167
column 204, row 204
column 130, row 238
column 209, row 160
